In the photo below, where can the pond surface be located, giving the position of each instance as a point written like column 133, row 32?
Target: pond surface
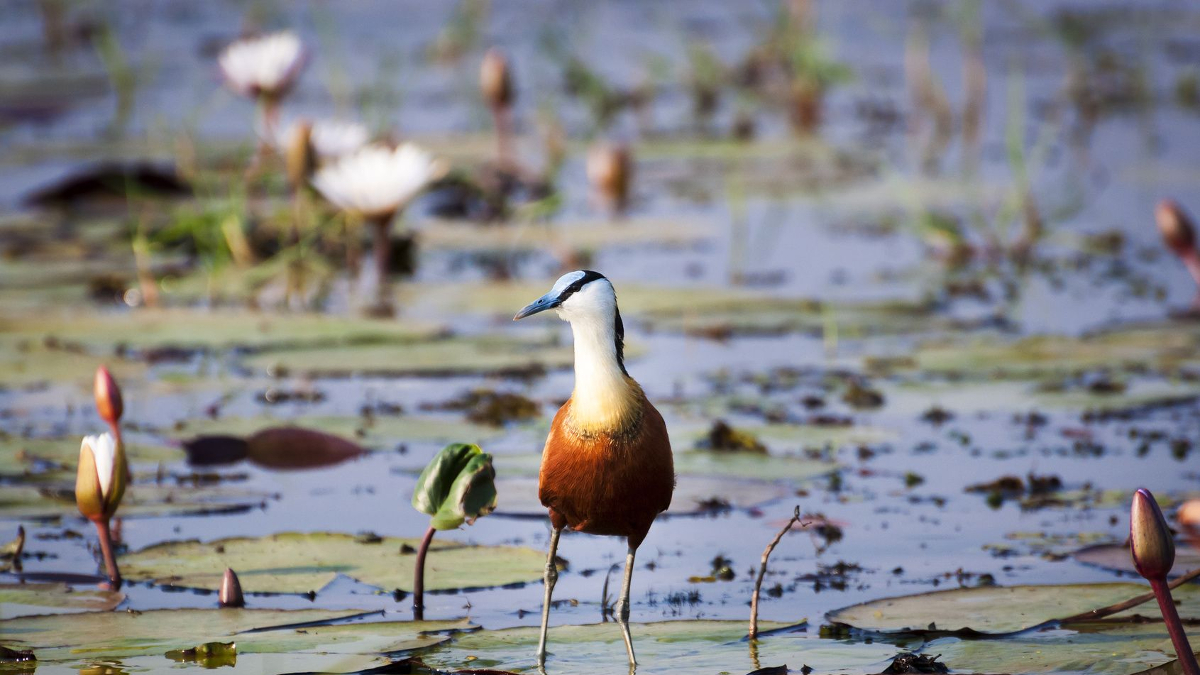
column 792, row 287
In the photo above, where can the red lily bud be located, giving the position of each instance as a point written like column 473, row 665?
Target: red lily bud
column 108, row 397
column 1150, row 540
column 495, row 79
column 231, row 591
column 1176, row 228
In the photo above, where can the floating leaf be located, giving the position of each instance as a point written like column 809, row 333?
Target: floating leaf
column 141, row 501
column 299, row 563
column 299, row 448
column 1117, row 557
column 445, row 356
column 1101, row 649
column 113, row 635
column 996, row 609
column 46, row 457
column 30, row 598
column 210, row 330
column 662, row 647
column 457, row 485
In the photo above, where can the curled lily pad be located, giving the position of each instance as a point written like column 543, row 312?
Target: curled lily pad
column 662, row 647
column 457, row 486
column 1117, row 557
column 53, row 598
column 300, row 563
column 994, row 609
column 113, row 635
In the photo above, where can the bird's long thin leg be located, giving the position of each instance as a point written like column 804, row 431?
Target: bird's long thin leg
column 622, row 608
column 550, row 578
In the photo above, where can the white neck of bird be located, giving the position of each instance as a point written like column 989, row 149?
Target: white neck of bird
column 604, row 394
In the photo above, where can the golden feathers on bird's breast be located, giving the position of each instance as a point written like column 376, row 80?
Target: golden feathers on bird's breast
column 608, row 480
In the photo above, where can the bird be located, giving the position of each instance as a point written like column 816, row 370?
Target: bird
column 607, row 467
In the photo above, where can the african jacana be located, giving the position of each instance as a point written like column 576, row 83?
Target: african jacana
column 607, row 466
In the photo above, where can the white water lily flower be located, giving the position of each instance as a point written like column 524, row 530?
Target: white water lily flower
column 263, row 66
column 100, row 482
column 330, row 139
column 377, row 181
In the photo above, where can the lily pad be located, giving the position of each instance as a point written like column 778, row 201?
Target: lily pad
column 25, row 362
column 211, row 329
column 995, row 609
column 141, row 501
column 1099, row 649
column 1117, row 557
column 1161, row 346
column 300, row 563
column 124, row 634
column 461, row 236
column 446, row 356
column 20, row 457
column 31, row 599
column 663, row 647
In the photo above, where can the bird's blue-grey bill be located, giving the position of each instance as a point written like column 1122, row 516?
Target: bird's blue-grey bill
column 540, row 305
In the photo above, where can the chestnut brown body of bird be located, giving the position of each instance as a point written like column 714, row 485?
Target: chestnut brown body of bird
column 609, row 482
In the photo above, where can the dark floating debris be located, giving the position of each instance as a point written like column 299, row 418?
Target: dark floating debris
column 273, row 448
column 916, row 663
column 724, row 438
column 493, row 408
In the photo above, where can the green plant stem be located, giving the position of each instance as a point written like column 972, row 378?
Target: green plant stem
column 110, row 559
column 419, row 576
column 1183, row 650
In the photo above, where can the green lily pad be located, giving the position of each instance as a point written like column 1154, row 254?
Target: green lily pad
column 211, row 329
column 446, row 356
column 1098, row 649
column 21, row 457
column 27, row 362
column 460, row 236
column 112, row 635
column 141, row 501
column 1163, row 346
column 300, row 563
column 996, row 609
column 699, row 309
column 663, row 647
column 55, row 598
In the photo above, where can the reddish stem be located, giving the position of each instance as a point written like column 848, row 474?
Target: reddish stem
column 1183, row 650
column 1191, row 260
column 110, row 560
column 503, row 118
column 383, row 254
column 419, row 577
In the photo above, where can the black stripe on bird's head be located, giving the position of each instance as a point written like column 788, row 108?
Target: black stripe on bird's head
column 566, row 287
